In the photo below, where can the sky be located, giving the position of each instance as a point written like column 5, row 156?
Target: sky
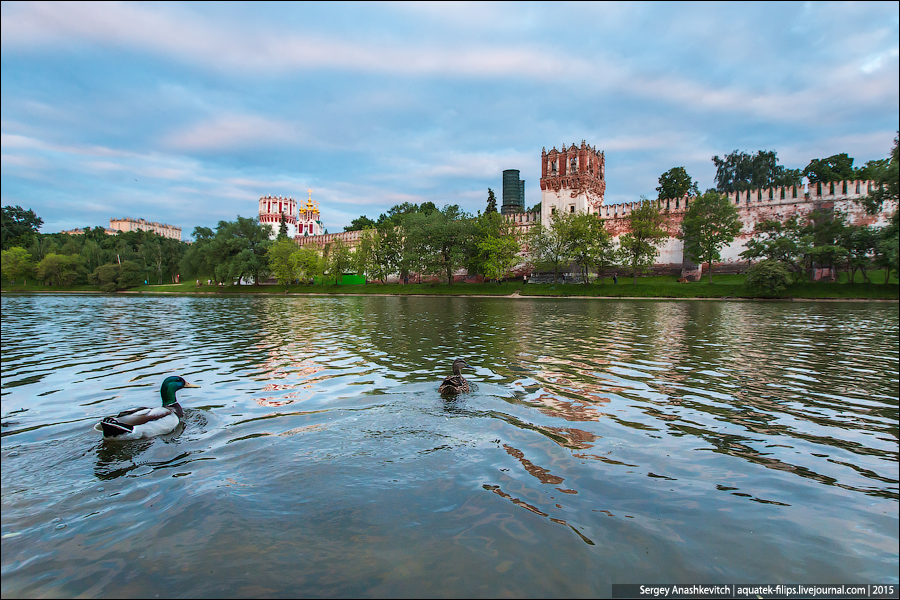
column 187, row 113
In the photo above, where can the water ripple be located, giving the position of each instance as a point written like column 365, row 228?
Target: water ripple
column 653, row 434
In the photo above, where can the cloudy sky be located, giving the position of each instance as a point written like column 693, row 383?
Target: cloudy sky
column 187, row 113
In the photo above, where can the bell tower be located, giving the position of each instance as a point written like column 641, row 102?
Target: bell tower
column 310, row 219
column 572, row 180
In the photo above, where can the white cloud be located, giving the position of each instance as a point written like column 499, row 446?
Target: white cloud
column 234, row 130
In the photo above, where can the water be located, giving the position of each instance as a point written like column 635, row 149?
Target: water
column 606, row 442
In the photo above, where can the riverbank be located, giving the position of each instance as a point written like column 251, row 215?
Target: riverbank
column 729, row 287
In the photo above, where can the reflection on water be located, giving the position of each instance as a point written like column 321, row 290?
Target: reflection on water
column 605, row 442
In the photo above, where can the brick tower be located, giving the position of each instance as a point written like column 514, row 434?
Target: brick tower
column 572, row 180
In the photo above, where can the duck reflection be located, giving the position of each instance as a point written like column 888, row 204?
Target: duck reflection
column 116, row 459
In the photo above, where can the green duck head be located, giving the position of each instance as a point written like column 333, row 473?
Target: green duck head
column 170, row 386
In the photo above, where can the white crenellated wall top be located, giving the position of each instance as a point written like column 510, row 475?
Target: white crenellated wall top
column 814, row 192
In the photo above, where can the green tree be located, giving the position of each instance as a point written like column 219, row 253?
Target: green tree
column 199, row 260
column 154, row 256
column 887, row 183
column 106, row 277
column 785, row 242
column 740, row 171
column 834, row 168
column 827, row 229
column 887, row 248
column 710, row 223
column 340, row 260
column 448, row 237
column 283, row 261
column 550, row 246
column 364, row 257
column 497, row 246
column 19, row 226
column 647, row 231
column 309, row 263
column 861, row 243
column 675, row 184
column 591, row 245
column 872, row 169
column 58, row 269
column 491, row 202
column 360, row 223
column 16, row 262
column 387, row 250
column 768, row 278
column 282, row 228
column 238, row 250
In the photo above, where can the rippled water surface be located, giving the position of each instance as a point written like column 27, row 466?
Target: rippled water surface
column 606, row 442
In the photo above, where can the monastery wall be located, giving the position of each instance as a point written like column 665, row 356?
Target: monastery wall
column 754, row 207
column 350, row 239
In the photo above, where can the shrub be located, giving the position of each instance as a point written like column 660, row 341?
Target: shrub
column 768, row 278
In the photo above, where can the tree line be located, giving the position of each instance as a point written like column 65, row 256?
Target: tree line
column 110, row 262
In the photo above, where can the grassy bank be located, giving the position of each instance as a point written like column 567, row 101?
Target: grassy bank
column 723, row 286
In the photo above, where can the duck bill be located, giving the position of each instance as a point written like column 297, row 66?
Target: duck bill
column 187, row 385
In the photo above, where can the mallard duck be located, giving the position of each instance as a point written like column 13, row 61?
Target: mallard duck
column 142, row 422
column 456, row 383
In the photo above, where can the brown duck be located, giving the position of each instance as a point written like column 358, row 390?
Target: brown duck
column 456, row 383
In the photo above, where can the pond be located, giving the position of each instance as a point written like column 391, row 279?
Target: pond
column 639, row 441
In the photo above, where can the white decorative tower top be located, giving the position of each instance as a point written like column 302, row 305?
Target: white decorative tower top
column 270, row 210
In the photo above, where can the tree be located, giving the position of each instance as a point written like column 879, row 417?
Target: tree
column 550, row 246
column 112, row 277
column 16, row 262
column 640, row 246
column 58, row 269
column 861, row 243
column 449, row 231
column 18, row 226
column 887, row 183
column 710, row 223
column 590, row 245
column 152, row 252
column 282, row 228
column 786, row 243
column 491, row 202
column 834, row 168
column 364, row 257
column 675, row 184
column 387, row 249
column 340, row 260
column 106, row 277
column 282, row 260
column 199, row 260
column 872, row 169
column 494, row 248
column 360, row 223
column 309, row 264
column 740, row 171
column 827, row 230
column 887, row 248
column 238, row 249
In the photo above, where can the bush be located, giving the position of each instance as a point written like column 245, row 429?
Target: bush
column 768, row 278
